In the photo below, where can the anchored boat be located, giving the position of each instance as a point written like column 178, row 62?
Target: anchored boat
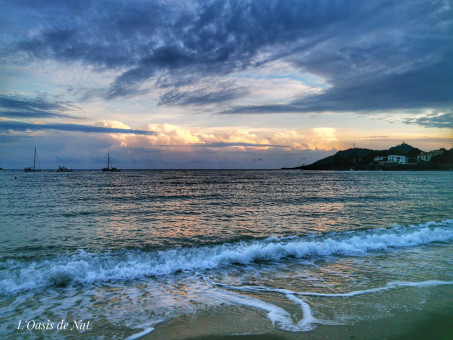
column 30, row 169
column 109, row 167
column 63, row 169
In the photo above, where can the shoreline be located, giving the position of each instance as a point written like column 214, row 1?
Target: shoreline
column 431, row 320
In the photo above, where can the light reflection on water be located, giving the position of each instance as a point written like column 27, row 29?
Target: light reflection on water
column 210, row 206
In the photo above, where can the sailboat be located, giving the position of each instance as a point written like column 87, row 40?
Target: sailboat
column 63, row 169
column 109, row 165
column 35, row 158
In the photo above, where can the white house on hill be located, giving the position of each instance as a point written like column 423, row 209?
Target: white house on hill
column 379, row 158
column 426, row 156
column 397, row 159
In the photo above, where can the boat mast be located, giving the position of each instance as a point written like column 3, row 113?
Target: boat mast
column 108, row 160
column 34, row 160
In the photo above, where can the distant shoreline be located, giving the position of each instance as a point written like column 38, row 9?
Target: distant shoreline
column 373, row 170
column 402, row 157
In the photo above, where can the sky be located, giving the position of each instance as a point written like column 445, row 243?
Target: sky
column 246, row 84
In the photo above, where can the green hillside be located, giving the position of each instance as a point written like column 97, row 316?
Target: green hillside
column 363, row 159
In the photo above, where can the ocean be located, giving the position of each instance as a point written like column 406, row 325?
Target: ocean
column 176, row 254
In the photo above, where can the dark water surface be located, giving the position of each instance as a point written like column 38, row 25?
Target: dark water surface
column 293, row 250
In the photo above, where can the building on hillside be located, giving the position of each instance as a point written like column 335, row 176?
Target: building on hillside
column 379, row 158
column 397, row 159
column 426, row 156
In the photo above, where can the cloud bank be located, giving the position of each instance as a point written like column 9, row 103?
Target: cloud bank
column 371, row 55
column 7, row 126
column 13, row 106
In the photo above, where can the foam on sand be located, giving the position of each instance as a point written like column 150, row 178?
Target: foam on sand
column 280, row 318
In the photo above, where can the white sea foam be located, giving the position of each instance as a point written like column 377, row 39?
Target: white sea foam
column 280, row 318
column 83, row 267
column 390, row 285
column 139, row 335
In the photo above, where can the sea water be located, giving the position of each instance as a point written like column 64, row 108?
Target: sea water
column 174, row 254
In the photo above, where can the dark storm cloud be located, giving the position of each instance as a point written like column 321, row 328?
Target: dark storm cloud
column 202, row 96
column 38, row 107
column 375, row 55
column 7, row 126
column 427, row 87
column 437, row 120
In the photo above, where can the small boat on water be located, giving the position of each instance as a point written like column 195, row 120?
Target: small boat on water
column 63, row 169
column 30, row 169
column 109, row 167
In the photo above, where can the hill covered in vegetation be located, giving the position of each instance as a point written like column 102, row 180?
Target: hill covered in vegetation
column 408, row 158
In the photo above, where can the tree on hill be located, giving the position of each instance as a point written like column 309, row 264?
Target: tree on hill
column 445, row 158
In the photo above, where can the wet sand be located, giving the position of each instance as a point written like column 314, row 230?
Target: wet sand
column 433, row 320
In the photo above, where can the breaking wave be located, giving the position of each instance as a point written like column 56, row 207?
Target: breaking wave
column 86, row 268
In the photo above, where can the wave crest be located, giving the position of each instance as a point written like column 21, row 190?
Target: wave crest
column 83, row 267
